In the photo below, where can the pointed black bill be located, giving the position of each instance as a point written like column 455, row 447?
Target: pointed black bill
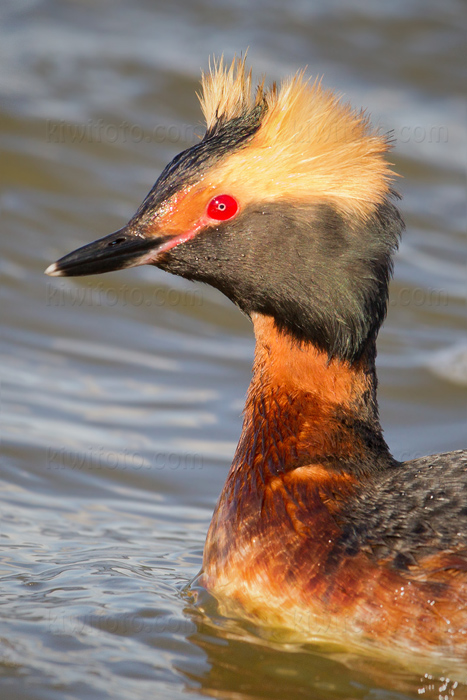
column 115, row 252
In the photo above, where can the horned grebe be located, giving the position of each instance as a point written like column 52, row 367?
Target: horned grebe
column 286, row 206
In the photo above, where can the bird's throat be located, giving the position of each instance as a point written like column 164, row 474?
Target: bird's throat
column 308, row 408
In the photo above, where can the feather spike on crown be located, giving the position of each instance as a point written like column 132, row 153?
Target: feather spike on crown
column 309, row 142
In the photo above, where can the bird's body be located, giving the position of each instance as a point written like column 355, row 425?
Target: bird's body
column 319, row 529
column 286, row 207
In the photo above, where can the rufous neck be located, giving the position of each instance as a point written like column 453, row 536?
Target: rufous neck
column 304, row 408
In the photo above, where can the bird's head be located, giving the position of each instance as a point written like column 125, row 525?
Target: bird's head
column 284, row 206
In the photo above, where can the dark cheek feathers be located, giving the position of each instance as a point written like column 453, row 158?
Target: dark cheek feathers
column 322, row 277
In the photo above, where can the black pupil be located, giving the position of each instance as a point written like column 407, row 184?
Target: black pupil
column 221, row 206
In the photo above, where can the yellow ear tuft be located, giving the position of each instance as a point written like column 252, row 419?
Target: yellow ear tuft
column 309, row 144
column 226, row 91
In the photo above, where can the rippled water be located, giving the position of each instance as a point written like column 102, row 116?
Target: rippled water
column 122, row 393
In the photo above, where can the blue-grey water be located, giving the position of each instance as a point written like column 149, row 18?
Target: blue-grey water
column 122, row 394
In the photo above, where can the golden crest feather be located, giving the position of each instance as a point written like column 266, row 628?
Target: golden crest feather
column 309, row 144
column 226, row 91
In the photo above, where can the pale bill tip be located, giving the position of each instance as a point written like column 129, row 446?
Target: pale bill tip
column 54, row 271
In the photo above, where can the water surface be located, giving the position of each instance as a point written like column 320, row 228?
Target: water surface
column 122, row 394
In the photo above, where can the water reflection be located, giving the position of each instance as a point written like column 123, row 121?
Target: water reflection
column 244, row 662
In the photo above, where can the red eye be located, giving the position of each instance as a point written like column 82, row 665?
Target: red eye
column 222, row 207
